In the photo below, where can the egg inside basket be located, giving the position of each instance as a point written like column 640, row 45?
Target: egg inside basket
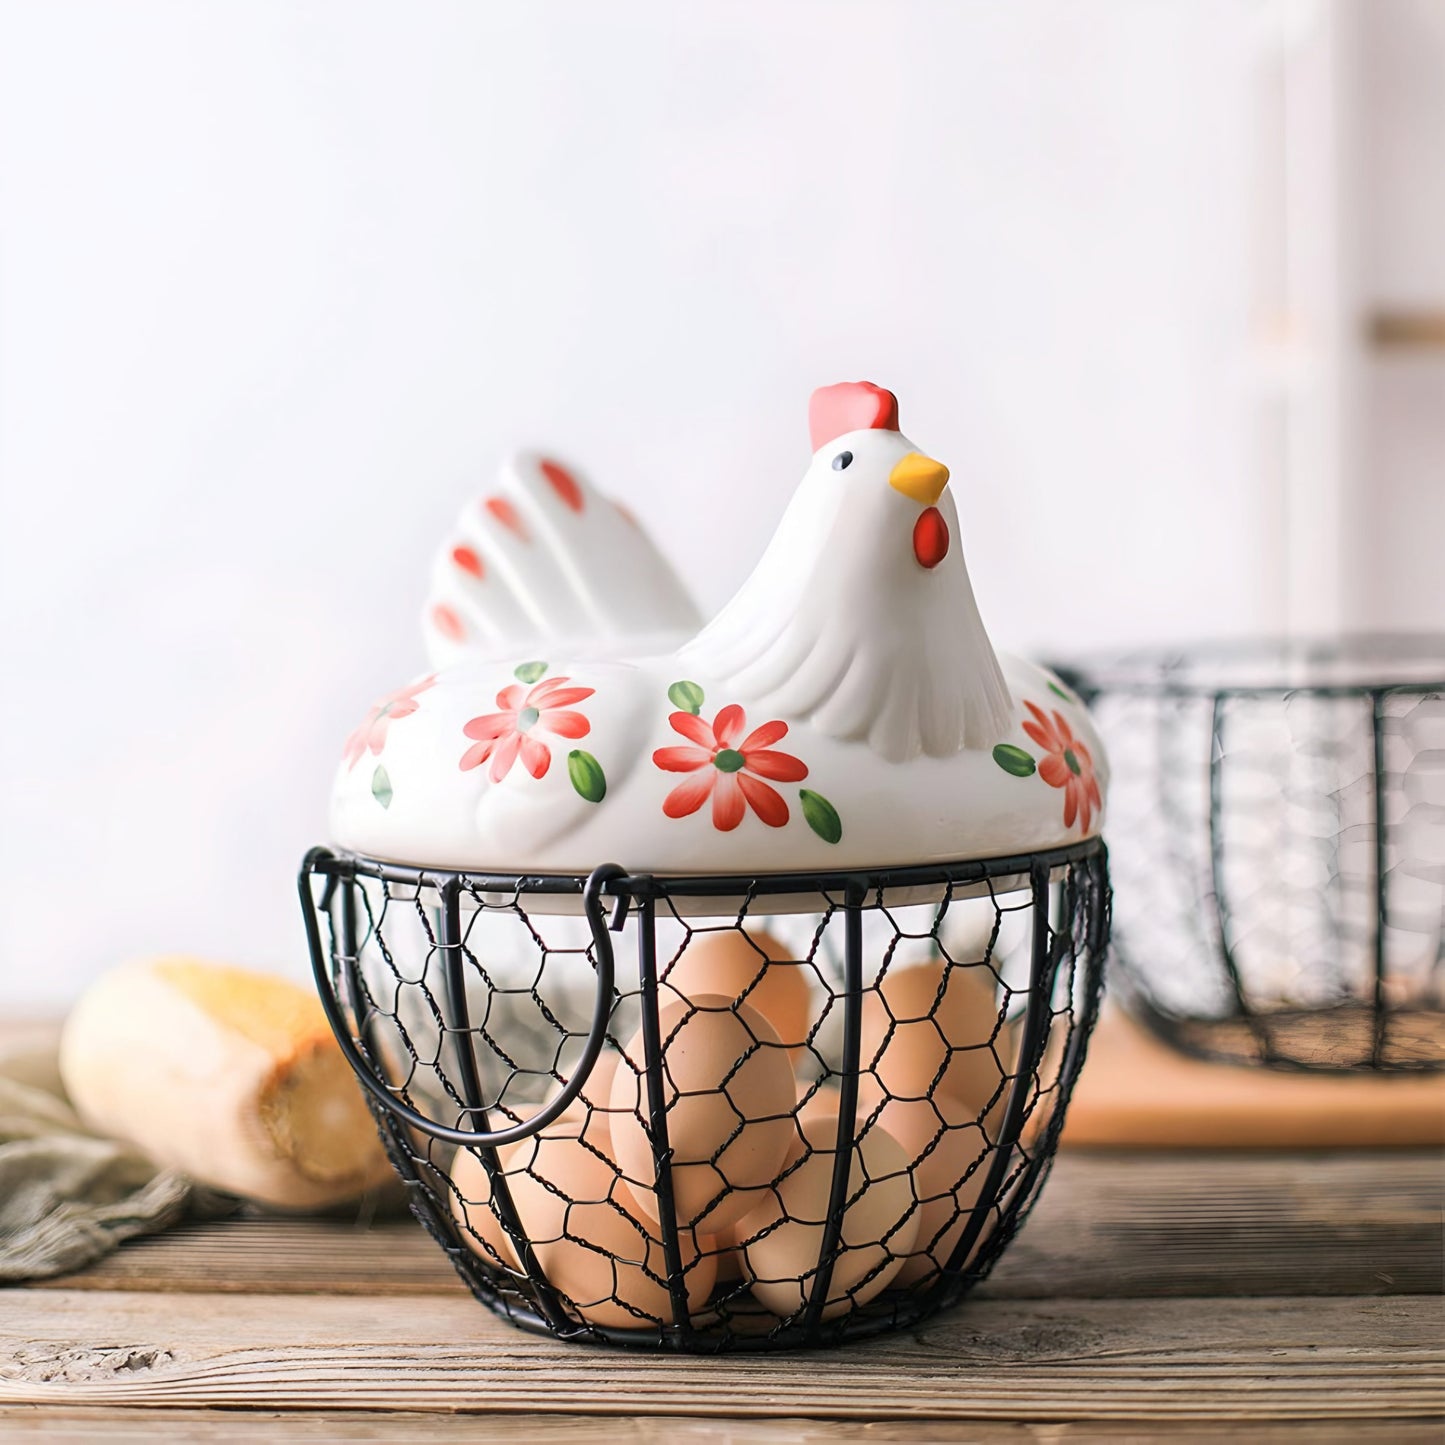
column 716, row 1113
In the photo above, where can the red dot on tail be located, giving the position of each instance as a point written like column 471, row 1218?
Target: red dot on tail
column 468, row 561
column 507, row 515
column 930, row 538
column 447, row 622
column 564, row 484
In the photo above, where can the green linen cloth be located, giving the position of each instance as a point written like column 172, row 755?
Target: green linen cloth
column 68, row 1197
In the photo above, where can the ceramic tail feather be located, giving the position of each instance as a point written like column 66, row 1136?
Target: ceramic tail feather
column 544, row 556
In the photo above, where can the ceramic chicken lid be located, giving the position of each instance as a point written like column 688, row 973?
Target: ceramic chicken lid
column 846, row 708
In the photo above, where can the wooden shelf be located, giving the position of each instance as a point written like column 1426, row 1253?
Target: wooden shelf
column 1138, row 1092
column 1407, row 330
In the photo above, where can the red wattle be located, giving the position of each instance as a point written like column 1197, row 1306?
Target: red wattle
column 930, row 538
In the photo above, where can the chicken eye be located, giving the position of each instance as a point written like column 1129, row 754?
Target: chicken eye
column 842, row 460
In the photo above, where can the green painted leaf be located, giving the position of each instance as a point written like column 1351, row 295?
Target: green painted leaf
column 381, row 786
column 822, row 816
column 1014, row 760
column 1062, row 692
column 530, row 671
column 587, row 775
column 686, row 696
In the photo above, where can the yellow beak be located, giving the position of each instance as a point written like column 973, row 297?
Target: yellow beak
column 920, row 478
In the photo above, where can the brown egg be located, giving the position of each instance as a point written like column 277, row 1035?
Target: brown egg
column 724, row 1246
column 728, row 1243
column 783, row 1236
column 471, row 1206
column 588, row 1116
column 590, row 1239
column 935, row 1021
column 749, row 967
column 941, row 1139
column 729, row 1096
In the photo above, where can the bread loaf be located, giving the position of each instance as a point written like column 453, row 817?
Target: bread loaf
column 231, row 1076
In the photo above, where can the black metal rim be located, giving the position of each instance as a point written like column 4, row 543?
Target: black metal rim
column 619, row 883
column 1165, row 672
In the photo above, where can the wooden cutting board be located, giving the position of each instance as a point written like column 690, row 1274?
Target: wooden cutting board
column 1136, row 1091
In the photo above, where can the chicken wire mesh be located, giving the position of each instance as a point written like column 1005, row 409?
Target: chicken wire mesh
column 713, row 1113
column 1277, row 820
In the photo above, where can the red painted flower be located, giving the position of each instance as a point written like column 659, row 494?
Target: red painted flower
column 728, row 768
column 1067, row 765
column 372, row 732
column 502, row 737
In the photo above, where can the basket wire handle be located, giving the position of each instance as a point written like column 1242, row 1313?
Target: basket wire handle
column 321, row 860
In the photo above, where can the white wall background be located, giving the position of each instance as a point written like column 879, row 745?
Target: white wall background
column 279, row 282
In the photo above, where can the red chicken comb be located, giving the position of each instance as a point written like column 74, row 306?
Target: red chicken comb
column 850, row 406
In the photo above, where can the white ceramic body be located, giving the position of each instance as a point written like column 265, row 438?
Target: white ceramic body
column 434, row 812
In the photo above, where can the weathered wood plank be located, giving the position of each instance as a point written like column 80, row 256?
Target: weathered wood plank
column 1107, row 1225
column 56, row 1426
column 1086, row 1360
column 275, row 1256
column 1133, row 1225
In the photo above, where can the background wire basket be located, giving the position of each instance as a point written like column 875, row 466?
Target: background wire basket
column 1277, row 820
column 535, row 1087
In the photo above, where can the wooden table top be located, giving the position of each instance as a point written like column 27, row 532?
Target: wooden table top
column 1198, row 1296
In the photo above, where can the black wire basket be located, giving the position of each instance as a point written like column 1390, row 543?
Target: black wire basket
column 534, row 1090
column 1277, row 820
